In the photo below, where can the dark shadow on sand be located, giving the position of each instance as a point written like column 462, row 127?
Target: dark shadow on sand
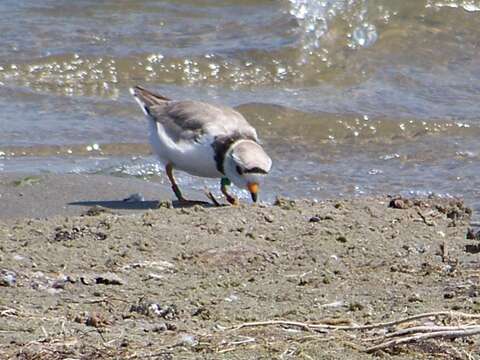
column 137, row 205
column 119, row 204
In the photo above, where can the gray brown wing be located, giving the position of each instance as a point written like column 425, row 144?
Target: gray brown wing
column 192, row 120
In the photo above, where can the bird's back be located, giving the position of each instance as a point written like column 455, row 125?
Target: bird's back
column 192, row 120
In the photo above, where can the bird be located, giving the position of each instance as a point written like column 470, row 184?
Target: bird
column 204, row 140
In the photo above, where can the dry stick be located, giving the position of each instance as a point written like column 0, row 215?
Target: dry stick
column 419, row 337
column 8, row 312
column 240, row 342
column 310, row 327
column 429, row 329
column 305, row 326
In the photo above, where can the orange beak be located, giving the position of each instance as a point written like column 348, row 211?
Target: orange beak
column 253, row 188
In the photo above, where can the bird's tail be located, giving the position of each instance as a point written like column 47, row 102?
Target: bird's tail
column 146, row 98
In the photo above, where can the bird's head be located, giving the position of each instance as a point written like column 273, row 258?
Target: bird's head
column 246, row 164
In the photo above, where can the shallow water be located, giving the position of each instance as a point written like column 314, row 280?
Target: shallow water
column 350, row 97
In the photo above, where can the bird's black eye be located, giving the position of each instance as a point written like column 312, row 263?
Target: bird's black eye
column 239, row 170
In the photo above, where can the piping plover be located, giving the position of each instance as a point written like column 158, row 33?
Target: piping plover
column 204, row 140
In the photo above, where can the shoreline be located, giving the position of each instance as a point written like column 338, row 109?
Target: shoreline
column 35, row 195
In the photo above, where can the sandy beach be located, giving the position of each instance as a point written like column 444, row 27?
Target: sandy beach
column 365, row 243
column 86, row 275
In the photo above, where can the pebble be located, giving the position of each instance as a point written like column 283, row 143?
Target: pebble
column 449, row 295
column 7, row 278
column 231, row 298
column 189, row 340
column 414, row 298
column 268, row 218
column 472, row 235
column 62, row 281
column 147, row 308
column 105, row 278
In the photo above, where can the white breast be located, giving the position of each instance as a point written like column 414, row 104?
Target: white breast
column 195, row 158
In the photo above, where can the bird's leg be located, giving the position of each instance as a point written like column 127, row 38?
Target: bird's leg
column 212, row 198
column 223, row 187
column 175, row 188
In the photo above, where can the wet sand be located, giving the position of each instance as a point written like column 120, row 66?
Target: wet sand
column 127, row 281
column 42, row 196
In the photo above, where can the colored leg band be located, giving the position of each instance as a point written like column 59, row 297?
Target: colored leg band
column 225, row 182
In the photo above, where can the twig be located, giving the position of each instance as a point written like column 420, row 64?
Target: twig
column 305, row 326
column 233, row 345
column 8, row 312
column 429, row 329
column 316, row 327
column 244, row 341
column 439, row 334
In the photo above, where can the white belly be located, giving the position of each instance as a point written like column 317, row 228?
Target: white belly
column 191, row 157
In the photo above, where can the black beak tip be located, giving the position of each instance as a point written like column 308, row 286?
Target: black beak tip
column 254, row 197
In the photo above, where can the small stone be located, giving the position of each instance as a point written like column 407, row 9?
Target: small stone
column 473, row 292
column 189, row 340
column 96, row 320
column 342, row 239
column 231, row 298
column 355, row 306
column 202, row 312
column 472, row 235
column 109, row 279
column 268, row 218
column 449, row 295
column 314, row 219
column 414, row 298
column 171, row 327
column 285, row 204
column 100, row 236
column 61, row 282
column 95, row 211
column 160, row 327
column 7, row 278
column 472, row 248
column 400, row 203
column 151, row 309
column 270, row 238
column 105, row 279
